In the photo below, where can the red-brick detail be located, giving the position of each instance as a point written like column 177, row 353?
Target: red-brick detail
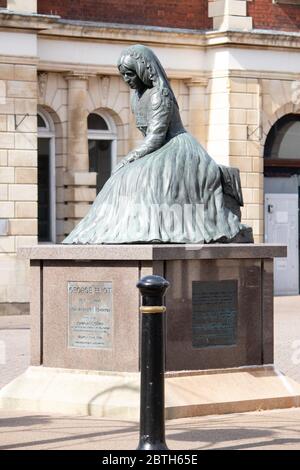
column 188, row 14
column 3, row 3
column 267, row 15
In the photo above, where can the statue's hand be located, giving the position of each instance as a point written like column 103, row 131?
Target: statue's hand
column 131, row 157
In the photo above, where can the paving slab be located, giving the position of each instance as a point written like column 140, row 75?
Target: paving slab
column 268, row 430
column 265, row 430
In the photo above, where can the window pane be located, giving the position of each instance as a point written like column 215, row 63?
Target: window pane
column 41, row 122
column 96, row 123
column 284, row 139
column 44, row 190
column 288, row 141
column 100, row 160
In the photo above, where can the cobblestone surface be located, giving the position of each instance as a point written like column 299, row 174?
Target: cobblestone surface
column 15, row 337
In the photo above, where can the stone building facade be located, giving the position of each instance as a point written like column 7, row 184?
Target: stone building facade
column 235, row 74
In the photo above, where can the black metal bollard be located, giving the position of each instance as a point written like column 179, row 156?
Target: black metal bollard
column 152, row 411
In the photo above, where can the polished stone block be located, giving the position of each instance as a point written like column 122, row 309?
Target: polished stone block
column 249, row 267
column 253, row 344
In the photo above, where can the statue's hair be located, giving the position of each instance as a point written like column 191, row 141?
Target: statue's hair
column 147, row 67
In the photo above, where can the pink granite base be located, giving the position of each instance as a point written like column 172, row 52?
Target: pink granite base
column 53, row 266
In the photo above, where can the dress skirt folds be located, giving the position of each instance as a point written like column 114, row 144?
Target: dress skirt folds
column 172, row 195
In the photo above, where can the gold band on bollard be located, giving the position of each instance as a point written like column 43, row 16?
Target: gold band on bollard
column 154, row 309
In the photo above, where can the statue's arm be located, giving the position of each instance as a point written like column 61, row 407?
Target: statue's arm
column 160, row 109
column 158, row 124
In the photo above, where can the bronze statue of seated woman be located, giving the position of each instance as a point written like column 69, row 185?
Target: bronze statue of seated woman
column 168, row 190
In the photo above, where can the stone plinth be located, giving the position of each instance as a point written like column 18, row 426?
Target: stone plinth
column 219, row 330
column 51, row 390
column 200, row 332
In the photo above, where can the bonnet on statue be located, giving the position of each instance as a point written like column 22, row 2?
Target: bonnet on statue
column 147, row 67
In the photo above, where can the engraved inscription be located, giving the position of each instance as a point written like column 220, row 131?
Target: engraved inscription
column 90, row 315
column 214, row 318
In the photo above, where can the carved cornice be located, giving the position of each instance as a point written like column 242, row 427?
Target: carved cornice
column 197, row 82
column 26, row 21
column 78, row 70
column 54, row 27
column 73, row 75
column 19, row 60
column 177, row 38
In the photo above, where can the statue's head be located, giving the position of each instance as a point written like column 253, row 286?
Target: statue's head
column 130, row 73
column 139, row 67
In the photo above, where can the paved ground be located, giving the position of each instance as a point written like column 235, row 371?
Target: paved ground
column 287, row 336
column 14, row 347
column 262, row 430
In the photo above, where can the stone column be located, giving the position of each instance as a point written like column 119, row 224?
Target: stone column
column 197, row 108
column 78, row 180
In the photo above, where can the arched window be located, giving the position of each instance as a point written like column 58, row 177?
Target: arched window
column 282, row 189
column 282, row 147
column 283, row 140
column 46, row 178
column 97, row 123
column 102, row 146
column 42, row 124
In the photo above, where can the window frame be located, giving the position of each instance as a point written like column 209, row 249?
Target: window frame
column 109, row 134
column 48, row 132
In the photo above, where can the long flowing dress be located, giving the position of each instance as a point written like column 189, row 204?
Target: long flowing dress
column 172, row 194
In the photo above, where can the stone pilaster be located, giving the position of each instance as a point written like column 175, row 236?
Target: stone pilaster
column 245, row 150
column 77, row 123
column 18, row 180
column 79, row 183
column 217, row 118
column 197, row 108
column 234, row 138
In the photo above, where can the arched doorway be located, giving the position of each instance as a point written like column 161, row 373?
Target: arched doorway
column 102, row 146
column 46, row 178
column 282, row 183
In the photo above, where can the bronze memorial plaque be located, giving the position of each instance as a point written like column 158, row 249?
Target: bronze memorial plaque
column 214, row 318
column 90, row 315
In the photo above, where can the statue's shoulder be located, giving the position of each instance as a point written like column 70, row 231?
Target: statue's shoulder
column 160, row 98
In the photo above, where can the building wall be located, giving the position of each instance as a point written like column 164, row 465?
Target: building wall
column 190, row 14
column 269, row 15
column 18, row 179
column 232, row 113
column 107, row 94
column 229, row 98
column 245, row 150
